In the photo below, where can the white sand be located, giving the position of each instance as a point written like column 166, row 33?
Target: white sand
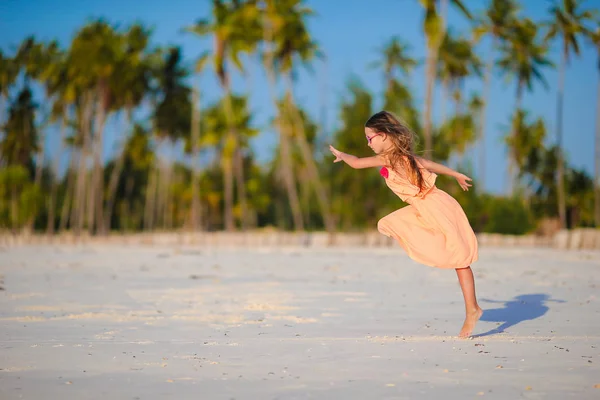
column 117, row 322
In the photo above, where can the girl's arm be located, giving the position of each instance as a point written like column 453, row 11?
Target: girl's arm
column 437, row 168
column 357, row 162
column 443, row 170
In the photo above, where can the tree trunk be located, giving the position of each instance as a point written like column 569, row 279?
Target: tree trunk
column 287, row 174
column 101, row 114
column 168, row 195
column 238, row 168
column 228, row 189
column 512, row 161
column 51, row 206
column 311, row 167
column 228, row 160
column 195, row 211
column 160, row 197
column 82, row 172
column 128, row 195
column 39, row 165
column 14, row 208
column 597, row 156
column 445, row 99
column 69, row 195
column 560, row 170
column 430, row 79
column 486, row 96
column 115, row 175
column 150, row 198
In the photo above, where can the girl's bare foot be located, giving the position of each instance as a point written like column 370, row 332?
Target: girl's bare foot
column 470, row 321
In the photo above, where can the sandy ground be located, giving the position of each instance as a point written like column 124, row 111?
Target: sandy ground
column 118, row 322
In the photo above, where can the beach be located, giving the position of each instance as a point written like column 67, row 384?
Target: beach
column 110, row 321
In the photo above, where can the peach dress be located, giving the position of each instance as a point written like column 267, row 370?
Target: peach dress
column 433, row 229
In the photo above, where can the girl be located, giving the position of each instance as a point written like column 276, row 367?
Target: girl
column 433, row 229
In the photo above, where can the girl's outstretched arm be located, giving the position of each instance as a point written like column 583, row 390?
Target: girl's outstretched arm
column 440, row 169
column 357, row 162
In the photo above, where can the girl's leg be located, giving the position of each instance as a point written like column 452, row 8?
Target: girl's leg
column 472, row 309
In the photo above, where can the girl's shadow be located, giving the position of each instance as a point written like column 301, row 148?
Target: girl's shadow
column 523, row 308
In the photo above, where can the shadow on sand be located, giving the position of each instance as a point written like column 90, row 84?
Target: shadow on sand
column 525, row 307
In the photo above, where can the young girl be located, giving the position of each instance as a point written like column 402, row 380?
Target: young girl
column 433, row 229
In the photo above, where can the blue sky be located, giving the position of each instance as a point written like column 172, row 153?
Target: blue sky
column 349, row 37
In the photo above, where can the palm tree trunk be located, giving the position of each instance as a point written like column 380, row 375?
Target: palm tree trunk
column 512, row 162
column 39, row 165
column 238, row 168
column 98, row 167
column 51, row 206
column 312, row 170
column 168, row 195
column 305, row 194
column 82, row 171
column 486, row 96
column 69, row 195
column 287, row 175
column 14, row 207
column 127, row 226
column 161, row 193
column 149, row 207
column 230, row 149
column 195, row 211
column 116, row 174
column 228, row 189
column 445, row 99
column 559, row 138
column 597, row 157
column 430, row 77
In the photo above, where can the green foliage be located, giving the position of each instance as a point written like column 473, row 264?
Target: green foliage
column 20, row 198
column 506, row 215
column 107, row 71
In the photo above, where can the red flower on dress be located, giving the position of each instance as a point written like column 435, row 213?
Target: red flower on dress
column 384, row 172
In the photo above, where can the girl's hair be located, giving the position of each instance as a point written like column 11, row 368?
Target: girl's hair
column 401, row 156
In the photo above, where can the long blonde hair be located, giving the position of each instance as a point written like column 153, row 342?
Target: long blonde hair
column 401, row 156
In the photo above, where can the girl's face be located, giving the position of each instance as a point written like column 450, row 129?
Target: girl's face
column 376, row 140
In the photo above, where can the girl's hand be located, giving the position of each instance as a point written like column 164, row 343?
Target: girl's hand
column 462, row 181
column 336, row 153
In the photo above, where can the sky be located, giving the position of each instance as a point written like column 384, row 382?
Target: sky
column 349, row 32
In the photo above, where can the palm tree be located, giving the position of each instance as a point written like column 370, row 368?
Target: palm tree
column 274, row 20
column 171, row 118
column 596, row 41
column 94, row 55
column 196, row 214
column 138, row 161
column 523, row 56
column 395, row 57
column 215, row 121
column 8, row 75
column 61, row 94
column 236, row 29
column 496, row 22
column 293, row 45
column 30, row 59
column 129, row 86
column 21, row 141
column 434, row 29
column 569, row 23
column 456, row 61
column 396, row 63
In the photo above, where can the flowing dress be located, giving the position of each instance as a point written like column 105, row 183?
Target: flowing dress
column 433, row 229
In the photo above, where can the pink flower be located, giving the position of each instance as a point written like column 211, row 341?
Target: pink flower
column 384, row 172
